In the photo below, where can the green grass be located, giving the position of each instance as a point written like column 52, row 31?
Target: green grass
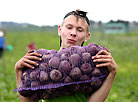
column 122, row 47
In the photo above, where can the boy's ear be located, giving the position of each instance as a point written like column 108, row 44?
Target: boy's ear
column 59, row 30
column 87, row 37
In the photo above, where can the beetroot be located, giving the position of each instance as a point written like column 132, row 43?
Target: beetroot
column 68, row 71
column 35, row 84
column 43, row 76
column 34, row 75
column 68, row 79
column 55, row 75
column 96, row 72
column 86, row 57
column 44, row 66
column 75, row 73
column 54, row 62
column 84, row 77
column 86, row 68
column 65, row 66
column 75, row 60
column 64, row 56
column 96, row 82
column 81, row 50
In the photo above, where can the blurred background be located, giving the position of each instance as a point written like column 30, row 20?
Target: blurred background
column 33, row 24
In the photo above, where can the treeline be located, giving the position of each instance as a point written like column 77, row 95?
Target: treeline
column 94, row 26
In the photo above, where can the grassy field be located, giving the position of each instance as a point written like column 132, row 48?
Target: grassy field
column 123, row 48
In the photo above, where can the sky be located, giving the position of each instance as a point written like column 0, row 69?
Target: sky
column 51, row 12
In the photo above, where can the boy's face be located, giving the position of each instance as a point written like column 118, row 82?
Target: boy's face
column 73, row 31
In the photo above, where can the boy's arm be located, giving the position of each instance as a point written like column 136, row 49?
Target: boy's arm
column 101, row 94
column 26, row 61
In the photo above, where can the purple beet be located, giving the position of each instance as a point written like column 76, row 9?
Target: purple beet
column 41, row 51
column 86, row 57
column 68, row 79
column 64, row 56
column 65, row 67
column 84, row 78
column 25, row 76
column 62, row 51
column 43, row 76
column 76, row 88
column 86, row 68
column 52, row 51
column 92, row 48
column 44, row 66
column 54, row 62
column 104, row 71
column 96, row 82
column 75, row 60
column 46, row 57
column 86, row 88
column 35, row 84
column 75, row 73
column 91, row 44
column 73, row 49
column 81, row 50
column 34, row 75
column 55, row 75
column 96, row 72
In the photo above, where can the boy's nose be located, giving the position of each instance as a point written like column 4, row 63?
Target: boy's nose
column 73, row 33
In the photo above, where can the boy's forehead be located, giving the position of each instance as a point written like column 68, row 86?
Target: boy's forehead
column 75, row 20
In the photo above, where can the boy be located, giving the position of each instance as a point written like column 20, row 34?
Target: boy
column 74, row 30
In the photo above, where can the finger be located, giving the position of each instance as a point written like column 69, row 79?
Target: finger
column 102, row 60
column 28, row 65
column 33, row 58
column 30, row 62
column 35, row 54
column 103, row 52
column 104, row 65
column 102, row 56
column 30, row 51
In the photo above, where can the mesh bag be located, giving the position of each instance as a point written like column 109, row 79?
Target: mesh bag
column 68, row 71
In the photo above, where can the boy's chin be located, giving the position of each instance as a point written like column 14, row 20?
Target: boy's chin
column 69, row 45
column 72, row 45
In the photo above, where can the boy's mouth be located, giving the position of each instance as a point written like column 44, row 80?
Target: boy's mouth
column 71, row 41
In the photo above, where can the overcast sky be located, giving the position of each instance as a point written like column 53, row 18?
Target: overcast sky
column 51, row 12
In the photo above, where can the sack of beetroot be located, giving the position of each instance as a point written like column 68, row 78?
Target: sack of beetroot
column 68, row 71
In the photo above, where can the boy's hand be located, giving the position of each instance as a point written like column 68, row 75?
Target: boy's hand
column 27, row 61
column 105, row 59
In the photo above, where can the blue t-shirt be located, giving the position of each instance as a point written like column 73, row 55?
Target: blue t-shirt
column 78, row 97
column 2, row 42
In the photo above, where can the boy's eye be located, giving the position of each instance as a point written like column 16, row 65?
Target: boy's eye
column 69, row 27
column 80, row 29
